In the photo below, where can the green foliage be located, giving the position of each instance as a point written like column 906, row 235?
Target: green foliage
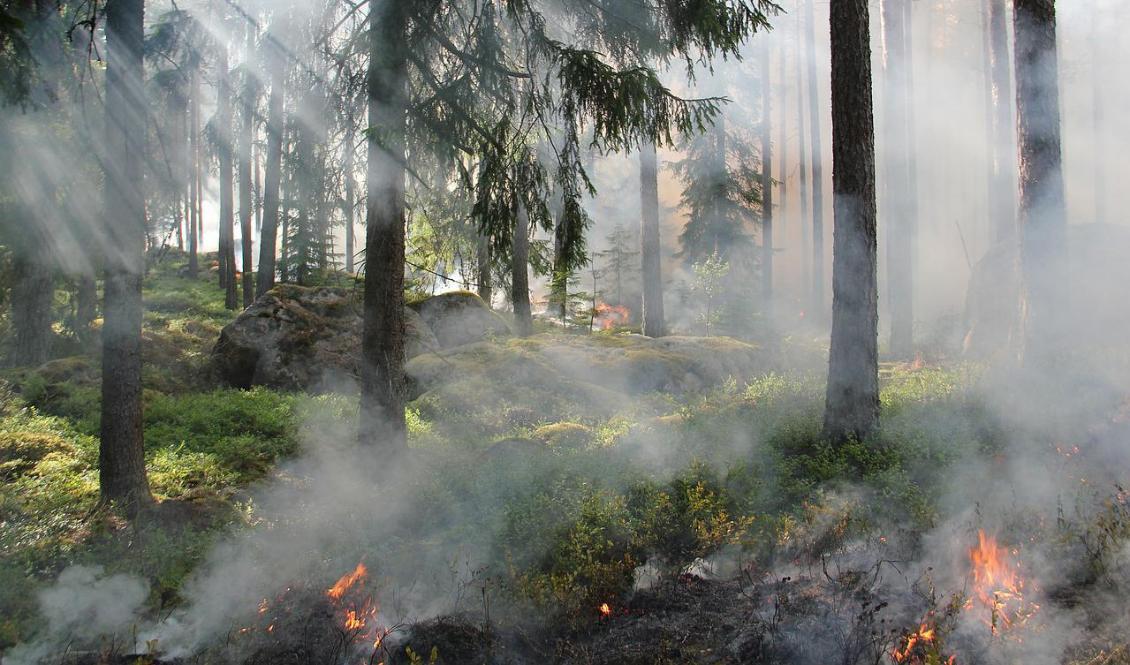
column 570, row 549
column 709, row 280
column 721, row 196
column 690, row 518
column 243, row 431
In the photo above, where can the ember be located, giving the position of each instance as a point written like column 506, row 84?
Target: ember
column 605, row 609
column 997, row 585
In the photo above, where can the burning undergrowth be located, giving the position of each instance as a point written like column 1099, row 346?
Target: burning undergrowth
column 939, row 544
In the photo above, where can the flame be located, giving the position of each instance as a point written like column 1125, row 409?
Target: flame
column 347, row 581
column 610, row 316
column 922, row 637
column 352, row 621
column 997, row 585
column 605, row 609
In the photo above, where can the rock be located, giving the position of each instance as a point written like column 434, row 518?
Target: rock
column 459, row 318
column 298, row 338
column 635, row 364
column 1099, row 273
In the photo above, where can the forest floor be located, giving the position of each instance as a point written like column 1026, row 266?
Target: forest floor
column 713, row 526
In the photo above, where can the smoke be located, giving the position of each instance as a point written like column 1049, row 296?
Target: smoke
column 84, row 604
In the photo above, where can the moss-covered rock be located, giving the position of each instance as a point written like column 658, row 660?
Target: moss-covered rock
column 564, row 435
column 302, row 338
column 309, row 338
column 460, row 317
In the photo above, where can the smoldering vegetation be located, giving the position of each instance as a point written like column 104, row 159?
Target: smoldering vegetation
column 585, row 495
column 981, row 524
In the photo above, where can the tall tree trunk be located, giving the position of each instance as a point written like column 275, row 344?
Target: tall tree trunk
column 852, row 401
column 287, row 198
column 256, row 156
column 246, row 137
column 194, row 174
column 273, row 169
column 382, row 337
column 1003, row 203
column 350, row 201
column 519, row 277
column 815, row 132
column 803, row 68
column 1098, row 109
column 650, row 248
column 559, row 281
column 911, row 201
column 897, row 217
column 482, row 262
column 767, row 185
column 33, row 292
column 121, row 455
column 227, row 198
column 87, row 306
column 1043, row 218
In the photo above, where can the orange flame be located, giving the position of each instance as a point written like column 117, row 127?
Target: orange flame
column 925, row 635
column 610, row 316
column 347, row 582
column 605, row 609
column 997, row 585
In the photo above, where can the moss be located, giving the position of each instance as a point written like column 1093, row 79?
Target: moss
column 565, row 435
column 21, row 451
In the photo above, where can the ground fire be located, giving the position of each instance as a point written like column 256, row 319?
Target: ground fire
column 608, row 317
column 998, row 589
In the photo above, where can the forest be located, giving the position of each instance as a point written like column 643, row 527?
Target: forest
column 510, row 332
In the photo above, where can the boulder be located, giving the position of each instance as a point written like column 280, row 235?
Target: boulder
column 1099, row 273
column 460, row 317
column 299, row 338
column 309, row 338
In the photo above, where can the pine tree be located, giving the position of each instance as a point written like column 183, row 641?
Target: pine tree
column 852, row 400
column 121, row 457
column 245, row 143
column 816, row 133
column 650, row 263
column 272, row 177
column 620, row 262
column 897, row 215
column 1043, row 218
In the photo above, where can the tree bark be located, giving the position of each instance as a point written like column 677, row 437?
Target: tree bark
column 852, row 400
column 350, row 202
column 87, row 306
column 246, row 137
column 559, row 280
column 1003, row 203
column 483, row 261
column 1043, row 217
column 897, row 217
column 1098, row 114
column 767, row 186
column 650, row 248
column 33, row 291
column 273, row 168
column 519, row 277
column 803, row 69
column 815, row 132
column 121, row 456
column 382, row 339
column 227, row 198
column 194, row 174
